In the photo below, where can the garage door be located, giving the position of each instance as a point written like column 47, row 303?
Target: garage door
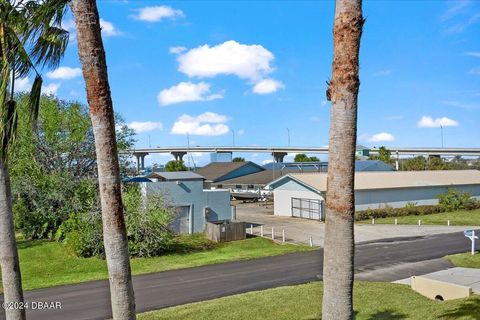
column 307, row 208
column 181, row 222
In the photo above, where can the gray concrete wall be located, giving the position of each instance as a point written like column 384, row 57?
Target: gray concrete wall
column 368, row 199
column 397, row 198
column 191, row 193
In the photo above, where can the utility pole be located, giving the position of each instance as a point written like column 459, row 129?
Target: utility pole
column 149, row 142
column 288, row 135
column 441, row 133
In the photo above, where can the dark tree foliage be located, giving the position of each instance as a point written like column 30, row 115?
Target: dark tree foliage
column 175, row 165
column 238, row 159
column 54, row 172
column 384, row 155
column 302, row 157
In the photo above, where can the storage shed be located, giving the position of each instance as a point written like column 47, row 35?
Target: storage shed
column 193, row 205
column 303, row 194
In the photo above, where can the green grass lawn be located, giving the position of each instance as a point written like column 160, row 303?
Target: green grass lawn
column 46, row 264
column 457, row 218
column 466, row 260
column 372, row 300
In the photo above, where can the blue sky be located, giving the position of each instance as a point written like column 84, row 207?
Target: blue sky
column 257, row 68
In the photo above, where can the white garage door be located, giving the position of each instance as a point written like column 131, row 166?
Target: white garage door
column 307, row 208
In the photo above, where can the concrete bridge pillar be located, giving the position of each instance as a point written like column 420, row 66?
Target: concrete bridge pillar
column 140, row 160
column 397, row 160
column 178, row 155
column 278, row 156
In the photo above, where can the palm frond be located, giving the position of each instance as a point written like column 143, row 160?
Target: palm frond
column 19, row 58
column 50, row 46
column 34, row 100
column 50, row 12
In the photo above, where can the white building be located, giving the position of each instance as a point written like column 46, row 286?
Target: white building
column 194, row 206
column 303, row 194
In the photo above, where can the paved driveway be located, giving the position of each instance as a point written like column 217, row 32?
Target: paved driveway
column 300, row 230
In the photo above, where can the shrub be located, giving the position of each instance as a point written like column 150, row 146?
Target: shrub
column 147, row 230
column 397, row 212
column 454, row 200
column 147, row 224
column 82, row 234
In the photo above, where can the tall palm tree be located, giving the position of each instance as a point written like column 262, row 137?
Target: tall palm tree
column 342, row 91
column 94, row 67
column 30, row 37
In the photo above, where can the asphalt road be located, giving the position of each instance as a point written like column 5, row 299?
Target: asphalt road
column 153, row 291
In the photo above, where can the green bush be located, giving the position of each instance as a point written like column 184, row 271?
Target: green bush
column 408, row 210
column 44, row 203
column 147, row 230
column 455, row 200
column 82, row 234
column 147, row 224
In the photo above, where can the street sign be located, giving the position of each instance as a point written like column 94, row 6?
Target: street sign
column 468, row 233
column 471, row 235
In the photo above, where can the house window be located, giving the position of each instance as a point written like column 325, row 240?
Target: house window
column 219, row 186
column 251, row 186
column 238, row 186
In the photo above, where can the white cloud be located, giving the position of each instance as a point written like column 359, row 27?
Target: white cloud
column 232, row 58
column 267, row 86
column 464, row 24
column 315, row 119
column 460, row 104
column 429, row 122
column 51, row 88
column 187, row 91
column 383, row 73
column 205, row 124
column 474, row 71
column 264, row 162
column 176, row 50
column 472, row 54
column 146, row 126
column 108, row 29
column 23, row 84
column 158, row 13
column 240, row 132
column 381, row 137
column 324, row 103
column 454, row 8
column 64, row 73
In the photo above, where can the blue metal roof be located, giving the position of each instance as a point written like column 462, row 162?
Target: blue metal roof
column 137, row 179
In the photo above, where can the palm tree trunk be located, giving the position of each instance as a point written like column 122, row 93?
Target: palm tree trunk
column 11, row 278
column 339, row 246
column 94, row 67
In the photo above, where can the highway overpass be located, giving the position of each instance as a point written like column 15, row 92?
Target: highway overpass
column 280, row 152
